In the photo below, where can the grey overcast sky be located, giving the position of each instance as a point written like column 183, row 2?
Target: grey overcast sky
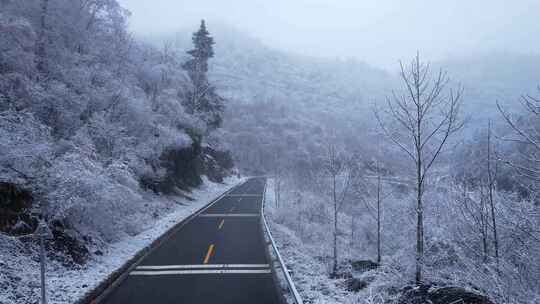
column 379, row 32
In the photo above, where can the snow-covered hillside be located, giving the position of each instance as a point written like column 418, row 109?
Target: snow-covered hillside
column 94, row 129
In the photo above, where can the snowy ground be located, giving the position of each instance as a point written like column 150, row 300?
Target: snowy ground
column 309, row 272
column 306, row 251
column 19, row 275
column 310, row 264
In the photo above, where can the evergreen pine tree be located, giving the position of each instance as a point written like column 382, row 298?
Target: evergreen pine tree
column 197, row 66
column 203, row 100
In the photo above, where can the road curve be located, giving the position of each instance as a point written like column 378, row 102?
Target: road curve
column 217, row 257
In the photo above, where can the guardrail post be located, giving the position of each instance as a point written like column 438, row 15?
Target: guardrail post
column 42, row 259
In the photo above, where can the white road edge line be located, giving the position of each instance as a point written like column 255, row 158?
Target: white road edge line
column 200, row 271
column 158, row 267
column 229, row 215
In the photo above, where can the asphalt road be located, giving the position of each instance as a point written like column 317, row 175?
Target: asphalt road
column 217, row 257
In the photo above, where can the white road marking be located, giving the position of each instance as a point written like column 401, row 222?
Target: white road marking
column 244, row 195
column 199, row 271
column 160, row 267
column 230, row 215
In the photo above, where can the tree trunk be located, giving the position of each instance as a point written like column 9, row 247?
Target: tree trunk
column 491, row 201
column 276, row 191
column 483, row 225
column 334, row 268
column 353, row 228
column 420, row 181
column 279, row 193
column 378, row 217
column 415, row 111
column 40, row 47
column 42, row 259
column 299, row 214
column 419, row 236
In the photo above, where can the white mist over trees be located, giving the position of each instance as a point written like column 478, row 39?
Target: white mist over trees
column 378, row 32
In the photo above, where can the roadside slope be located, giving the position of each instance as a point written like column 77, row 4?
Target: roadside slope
column 67, row 283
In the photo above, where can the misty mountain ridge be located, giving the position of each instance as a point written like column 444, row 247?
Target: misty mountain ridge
column 491, row 77
column 243, row 63
column 246, row 70
column 497, row 69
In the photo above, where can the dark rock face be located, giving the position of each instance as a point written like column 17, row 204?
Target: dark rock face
column 441, row 295
column 186, row 166
column 454, row 294
column 182, row 169
column 363, row 265
column 16, row 219
column 64, row 240
column 15, row 205
column 216, row 165
column 355, row 285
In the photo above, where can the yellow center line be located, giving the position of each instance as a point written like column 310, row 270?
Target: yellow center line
column 208, row 254
column 221, row 224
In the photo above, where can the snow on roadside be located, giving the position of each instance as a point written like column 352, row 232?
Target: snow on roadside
column 309, row 274
column 19, row 278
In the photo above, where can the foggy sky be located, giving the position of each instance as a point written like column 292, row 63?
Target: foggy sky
column 379, row 32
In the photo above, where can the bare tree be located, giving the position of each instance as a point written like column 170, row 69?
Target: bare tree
column 278, row 180
column 299, row 213
column 339, row 173
column 491, row 177
column 373, row 200
column 528, row 134
column 41, row 65
column 428, row 118
column 475, row 213
column 378, row 201
column 378, row 213
column 353, row 229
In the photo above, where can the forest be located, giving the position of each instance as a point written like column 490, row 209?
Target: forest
column 356, row 181
column 392, row 185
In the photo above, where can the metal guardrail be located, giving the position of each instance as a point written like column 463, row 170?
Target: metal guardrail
column 290, row 284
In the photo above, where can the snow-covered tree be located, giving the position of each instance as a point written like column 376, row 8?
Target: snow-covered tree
column 426, row 116
column 203, row 99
